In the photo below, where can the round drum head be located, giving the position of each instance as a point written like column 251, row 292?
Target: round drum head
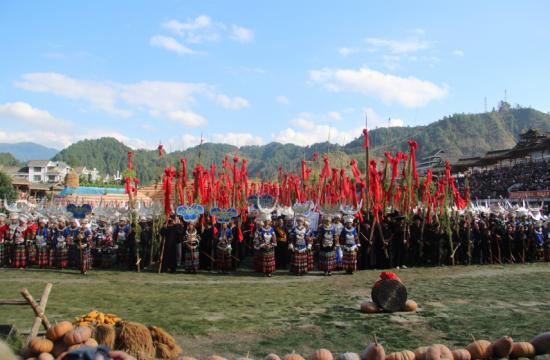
column 389, row 295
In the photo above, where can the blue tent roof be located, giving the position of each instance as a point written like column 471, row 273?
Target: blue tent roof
column 90, row 190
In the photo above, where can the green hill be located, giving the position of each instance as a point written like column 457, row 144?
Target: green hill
column 7, row 159
column 459, row 135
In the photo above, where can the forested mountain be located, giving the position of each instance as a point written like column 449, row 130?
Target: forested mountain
column 7, row 159
column 459, row 135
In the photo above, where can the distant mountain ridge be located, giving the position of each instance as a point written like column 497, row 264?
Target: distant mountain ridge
column 459, row 135
column 25, row 151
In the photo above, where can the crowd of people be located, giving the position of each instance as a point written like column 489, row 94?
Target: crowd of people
column 341, row 242
column 496, row 183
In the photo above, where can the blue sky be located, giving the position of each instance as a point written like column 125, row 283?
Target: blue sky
column 250, row 72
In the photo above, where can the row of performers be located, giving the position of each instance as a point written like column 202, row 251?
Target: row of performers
column 330, row 244
column 63, row 243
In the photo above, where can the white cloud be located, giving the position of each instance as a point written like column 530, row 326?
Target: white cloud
column 100, row 95
column 335, row 115
column 235, row 103
column 241, row 34
column 345, row 51
column 23, row 112
column 398, row 46
column 237, row 139
column 171, row 44
column 187, row 118
column 407, row 91
column 199, row 30
column 155, row 97
column 196, row 31
column 283, row 100
column 319, row 133
column 458, row 52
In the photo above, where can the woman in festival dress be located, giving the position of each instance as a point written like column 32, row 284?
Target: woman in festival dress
column 338, row 227
column 19, row 240
column 327, row 245
column 120, row 234
column 350, row 244
column 83, row 240
column 223, row 249
column 3, row 233
column 30, row 244
column 59, row 242
column 299, row 247
column 281, row 251
column 43, row 239
column 9, row 238
column 74, row 250
column 191, row 242
column 264, row 242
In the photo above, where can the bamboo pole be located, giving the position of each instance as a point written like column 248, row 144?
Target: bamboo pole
column 36, row 308
column 37, row 320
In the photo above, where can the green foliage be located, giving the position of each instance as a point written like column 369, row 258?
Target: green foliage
column 7, row 159
column 6, row 188
column 459, row 135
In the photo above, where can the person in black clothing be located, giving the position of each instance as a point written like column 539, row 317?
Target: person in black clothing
column 172, row 233
column 206, row 247
column 146, row 240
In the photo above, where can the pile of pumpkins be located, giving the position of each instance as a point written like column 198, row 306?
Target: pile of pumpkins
column 504, row 347
column 60, row 339
column 369, row 307
column 94, row 318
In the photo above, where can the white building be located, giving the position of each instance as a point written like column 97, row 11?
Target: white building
column 46, row 171
column 90, row 174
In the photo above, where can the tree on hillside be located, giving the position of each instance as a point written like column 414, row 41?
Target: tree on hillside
column 6, row 188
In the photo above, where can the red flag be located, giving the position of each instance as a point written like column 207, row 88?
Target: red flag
column 365, row 138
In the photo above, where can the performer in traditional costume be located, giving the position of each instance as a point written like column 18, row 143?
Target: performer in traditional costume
column 19, row 240
column 281, row 251
column 327, row 245
column 59, row 242
column 264, row 243
column 30, row 244
column 9, row 238
column 299, row 247
column 120, row 234
column 338, row 227
column 146, row 241
column 43, row 239
column 191, row 242
column 350, row 244
column 82, row 242
column 172, row 234
column 3, row 233
column 74, row 250
column 223, row 248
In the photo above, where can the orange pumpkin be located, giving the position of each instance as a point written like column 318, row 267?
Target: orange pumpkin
column 58, row 330
column 502, row 347
column 78, row 335
column 375, row 351
column 185, row 358
column 293, row 356
column 461, row 354
column 522, row 349
column 368, row 307
column 40, row 345
column 321, row 354
column 410, row 305
column 272, row 357
column 541, row 343
column 46, row 356
column 438, row 352
column 480, row 349
column 401, row 355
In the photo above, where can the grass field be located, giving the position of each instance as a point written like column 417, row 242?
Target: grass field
column 234, row 314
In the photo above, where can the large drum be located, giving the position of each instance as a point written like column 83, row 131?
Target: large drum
column 390, row 295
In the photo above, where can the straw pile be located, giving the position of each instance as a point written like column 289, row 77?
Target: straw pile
column 135, row 339
column 105, row 335
column 164, row 343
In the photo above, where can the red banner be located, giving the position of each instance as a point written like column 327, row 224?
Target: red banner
column 538, row 194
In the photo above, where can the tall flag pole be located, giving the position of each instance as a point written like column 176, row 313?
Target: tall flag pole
column 367, row 162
